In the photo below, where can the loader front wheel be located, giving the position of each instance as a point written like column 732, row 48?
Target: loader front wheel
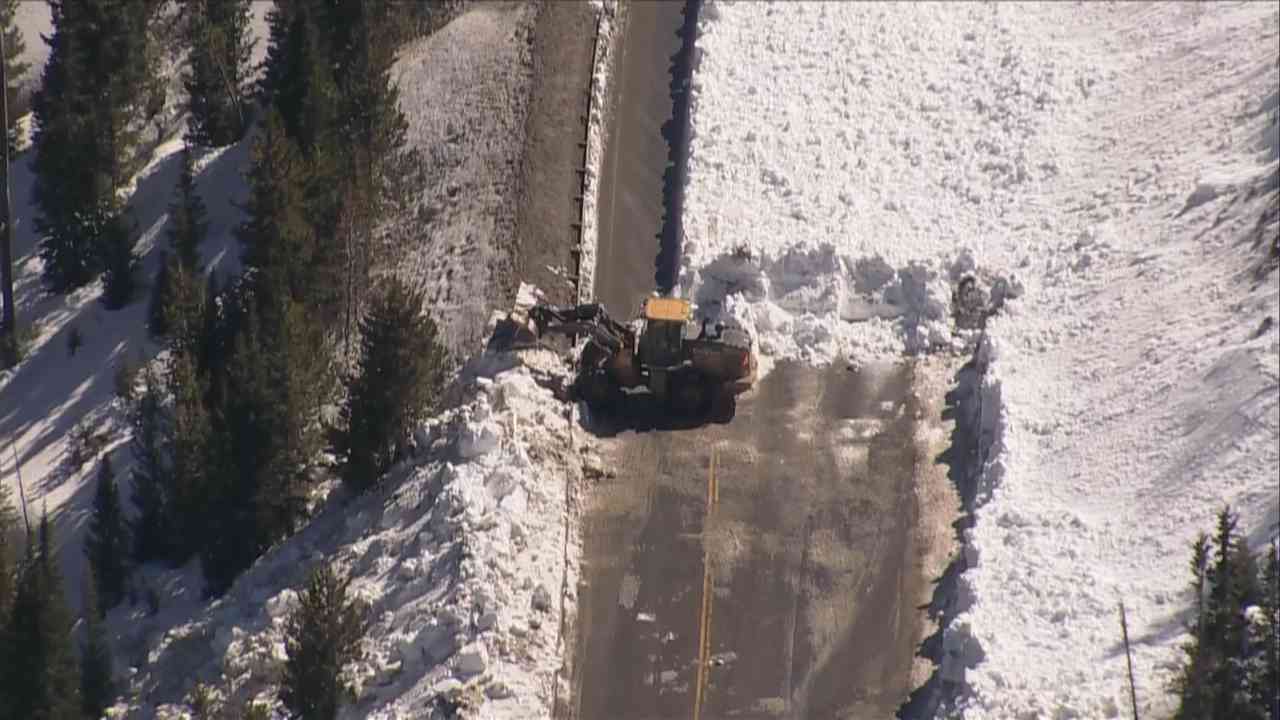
column 598, row 391
column 690, row 394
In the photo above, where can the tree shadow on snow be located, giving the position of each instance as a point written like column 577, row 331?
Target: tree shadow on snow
column 676, row 132
column 53, row 389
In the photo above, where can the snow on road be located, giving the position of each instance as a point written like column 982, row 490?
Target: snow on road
column 1104, row 169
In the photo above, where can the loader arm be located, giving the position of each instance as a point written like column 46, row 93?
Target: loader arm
column 590, row 320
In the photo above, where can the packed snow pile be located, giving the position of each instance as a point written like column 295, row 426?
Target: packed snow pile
column 463, row 556
column 1105, row 172
column 601, row 75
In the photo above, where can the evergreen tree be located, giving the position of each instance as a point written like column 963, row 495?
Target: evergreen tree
column 8, row 529
column 211, row 352
column 276, row 236
column 107, row 543
column 7, row 591
column 368, row 140
column 322, row 635
column 42, row 679
column 369, row 122
column 96, row 687
column 1224, row 656
column 64, row 187
column 1264, row 681
column 8, row 522
column 183, row 309
column 188, row 223
column 298, row 82
column 14, row 48
column 400, row 373
column 217, row 78
column 152, row 537
column 100, row 76
column 159, row 301
column 1232, row 587
column 119, row 261
column 192, row 438
column 126, row 80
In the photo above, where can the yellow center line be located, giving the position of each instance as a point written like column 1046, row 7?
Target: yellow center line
column 704, row 613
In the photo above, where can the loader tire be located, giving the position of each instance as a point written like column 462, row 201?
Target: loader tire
column 598, row 391
column 690, row 394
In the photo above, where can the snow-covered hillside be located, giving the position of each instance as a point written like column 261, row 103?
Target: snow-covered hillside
column 1102, row 169
column 466, row 554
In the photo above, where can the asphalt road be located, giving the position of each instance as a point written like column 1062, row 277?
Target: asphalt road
column 759, row 569
column 765, row 568
column 633, row 195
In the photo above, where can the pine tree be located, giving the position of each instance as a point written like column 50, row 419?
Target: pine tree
column 400, row 373
column 42, row 679
column 157, row 304
column 1231, row 579
column 217, row 78
column 368, row 140
column 188, row 218
column 276, row 236
column 96, row 686
column 210, row 321
column 152, row 536
column 298, row 82
column 99, row 79
column 192, row 437
column 14, row 49
column 125, row 76
column 65, row 185
column 322, row 635
column 369, row 122
column 119, row 261
column 7, row 581
column 1224, row 661
column 107, row 543
column 1264, row 681
column 183, row 309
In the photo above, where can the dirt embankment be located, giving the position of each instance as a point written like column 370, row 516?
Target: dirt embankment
column 495, row 101
column 546, row 206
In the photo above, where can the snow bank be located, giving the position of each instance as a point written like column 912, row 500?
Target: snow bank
column 1102, row 170
column 464, row 557
column 601, row 72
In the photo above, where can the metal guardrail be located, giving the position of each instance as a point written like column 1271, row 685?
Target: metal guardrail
column 575, row 253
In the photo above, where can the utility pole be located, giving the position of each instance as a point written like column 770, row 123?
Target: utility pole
column 8, row 323
column 1128, row 656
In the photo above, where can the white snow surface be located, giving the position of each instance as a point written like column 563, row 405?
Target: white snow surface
column 1105, row 167
column 601, row 66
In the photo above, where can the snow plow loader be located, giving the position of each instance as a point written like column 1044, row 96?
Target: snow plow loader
column 661, row 353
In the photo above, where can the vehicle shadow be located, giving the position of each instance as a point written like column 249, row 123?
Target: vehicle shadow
column 640, row 413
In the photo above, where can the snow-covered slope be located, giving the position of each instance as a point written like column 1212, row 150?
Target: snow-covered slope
column 462, row 556
column 465, row 555
column 52, row 391
column 1103, row 168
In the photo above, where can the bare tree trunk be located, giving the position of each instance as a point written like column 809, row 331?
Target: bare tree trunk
column 8, row 323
